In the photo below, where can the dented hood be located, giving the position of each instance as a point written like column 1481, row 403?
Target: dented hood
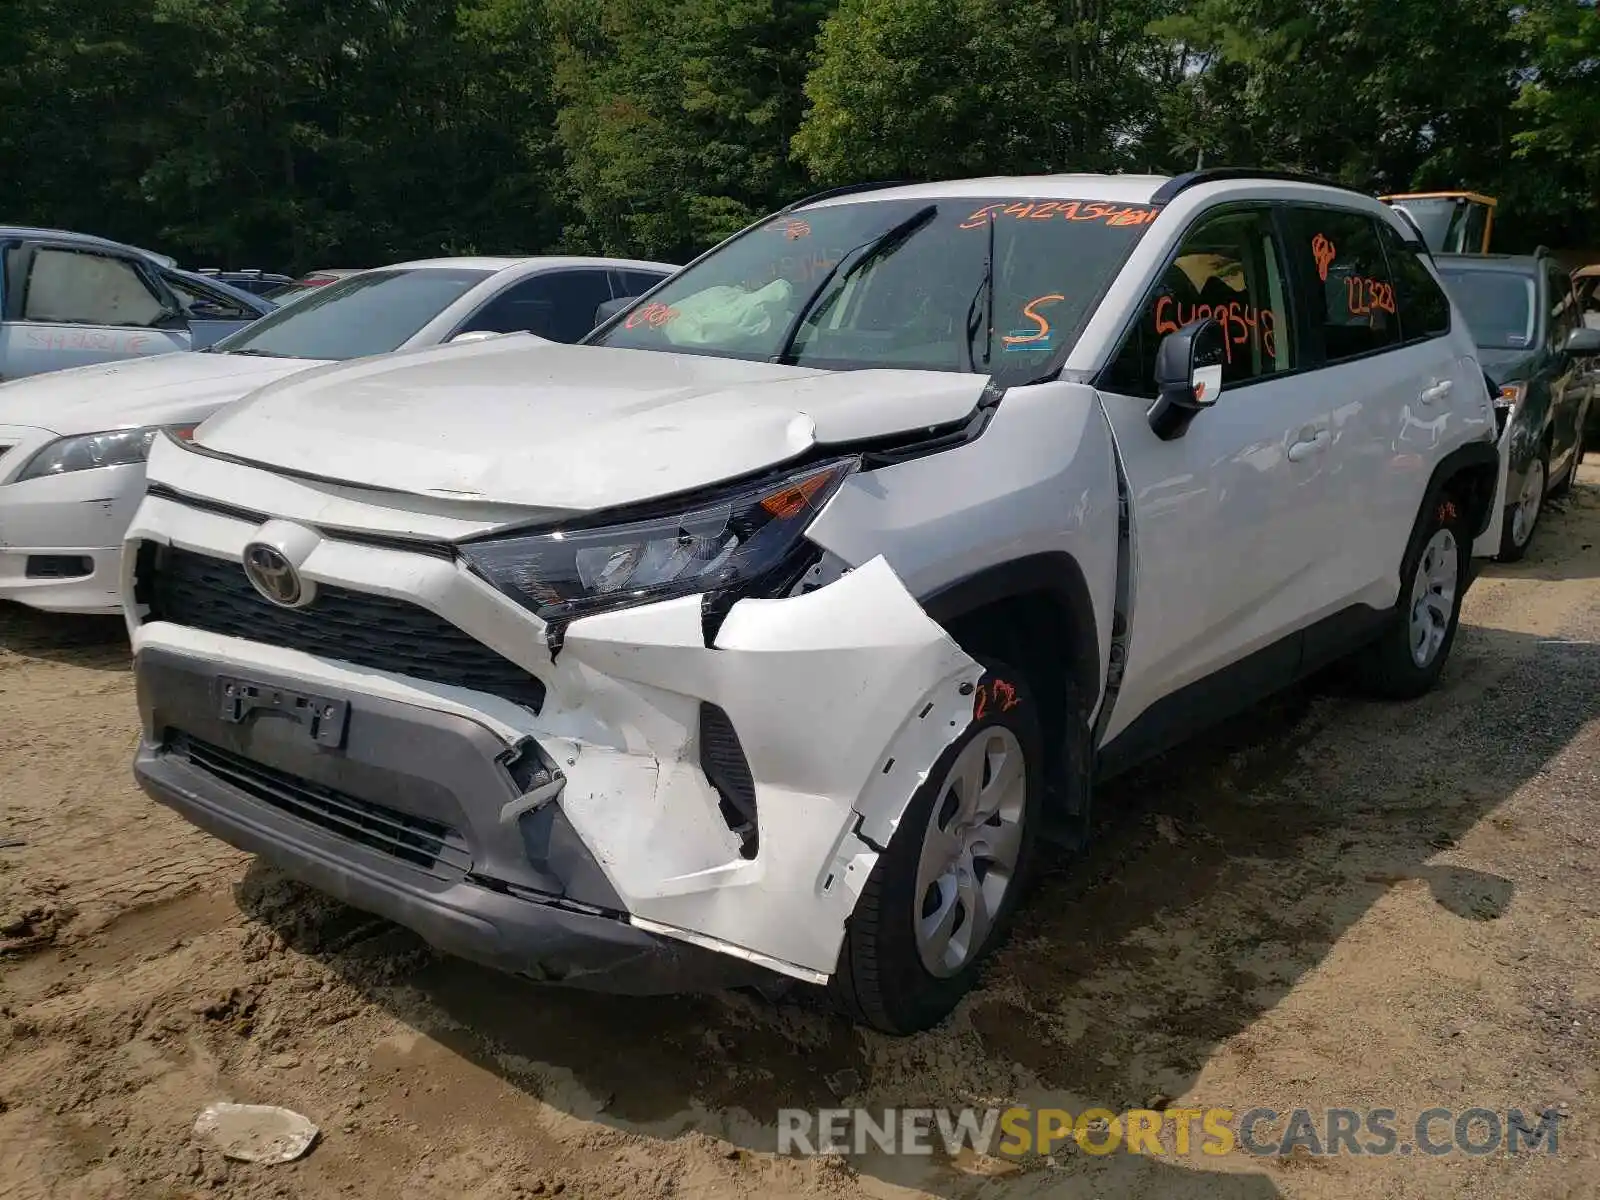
column 160, row 390
column 569, row 427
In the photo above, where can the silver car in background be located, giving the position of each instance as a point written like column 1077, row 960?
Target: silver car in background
column 70, row 300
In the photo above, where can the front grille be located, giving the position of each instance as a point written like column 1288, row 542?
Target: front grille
column 355, row 627
column 430, row 845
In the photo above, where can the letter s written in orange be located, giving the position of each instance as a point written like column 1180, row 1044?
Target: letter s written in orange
column 1038, row 318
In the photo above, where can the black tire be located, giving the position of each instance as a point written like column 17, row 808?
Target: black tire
column 1386, row 668
column 1510, row 549
column 1571, row 477
column 881, row 980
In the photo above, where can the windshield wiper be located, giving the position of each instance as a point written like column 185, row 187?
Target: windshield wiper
column 985, row 293
column 849, row 263
column 252, row 352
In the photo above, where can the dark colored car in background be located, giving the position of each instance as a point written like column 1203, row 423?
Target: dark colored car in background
column 249, row 279
column 1538, row 352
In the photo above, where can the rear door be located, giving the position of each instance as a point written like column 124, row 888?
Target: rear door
column 1396, row 394
column 68, row 305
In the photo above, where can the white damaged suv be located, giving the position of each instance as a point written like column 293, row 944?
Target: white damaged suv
column 762, row 636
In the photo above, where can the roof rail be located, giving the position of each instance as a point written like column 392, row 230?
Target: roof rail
column 1182, row 183
column 848, row 190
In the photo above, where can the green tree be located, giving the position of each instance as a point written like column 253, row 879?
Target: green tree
column 1382, row 94
column 1560, row 107
column 354, row 134
column 675, row 120
column 938, row 88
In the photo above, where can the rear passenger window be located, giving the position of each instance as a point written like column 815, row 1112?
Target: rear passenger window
column 1352, row 297
column 1229, row 268
column 1424, row 308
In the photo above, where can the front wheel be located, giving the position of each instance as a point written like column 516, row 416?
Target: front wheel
column 1523, row 514
column 941, row 896
column 1405, row 661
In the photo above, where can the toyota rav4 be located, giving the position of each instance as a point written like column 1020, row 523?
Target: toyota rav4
column 763, row 636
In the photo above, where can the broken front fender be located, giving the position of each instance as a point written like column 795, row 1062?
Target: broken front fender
column 842, row 699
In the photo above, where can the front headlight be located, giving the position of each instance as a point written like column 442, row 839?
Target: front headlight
column 1510, row 395
column 737, row 538
column 113, row 448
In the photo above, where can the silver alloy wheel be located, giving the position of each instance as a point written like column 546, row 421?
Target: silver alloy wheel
column 1526, row 512
column 1433, row 596
column 970, row 850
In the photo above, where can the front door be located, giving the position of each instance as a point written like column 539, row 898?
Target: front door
column 67, row 305
column 1226, row 556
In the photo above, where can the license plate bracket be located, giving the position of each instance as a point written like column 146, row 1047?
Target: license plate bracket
column 324, row 719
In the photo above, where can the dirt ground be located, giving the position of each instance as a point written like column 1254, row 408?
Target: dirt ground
column 1330, row 903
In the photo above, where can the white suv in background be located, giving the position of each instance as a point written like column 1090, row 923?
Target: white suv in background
column 761, row 636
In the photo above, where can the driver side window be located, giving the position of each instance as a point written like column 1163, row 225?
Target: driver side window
column 1229, row 267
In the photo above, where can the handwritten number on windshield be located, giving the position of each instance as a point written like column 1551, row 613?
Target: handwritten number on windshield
column 1068, row 210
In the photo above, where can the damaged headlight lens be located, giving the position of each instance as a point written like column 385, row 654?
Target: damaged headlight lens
column 113, row 448
column 737, row 538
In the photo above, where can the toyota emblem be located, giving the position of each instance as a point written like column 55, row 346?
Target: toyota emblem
column 273, row 575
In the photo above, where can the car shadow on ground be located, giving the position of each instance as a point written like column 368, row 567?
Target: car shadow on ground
column 1223, row 873
column 94, row 643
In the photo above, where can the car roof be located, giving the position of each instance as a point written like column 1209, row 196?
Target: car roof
column 533, row 262
column 1183, row 192
column 1121, row 189
column 37, row 233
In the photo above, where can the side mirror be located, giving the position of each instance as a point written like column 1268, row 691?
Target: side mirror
column 1188, row 376
column 174, row 318
column 611, row 308
column 474, row 335
column 1582, row 343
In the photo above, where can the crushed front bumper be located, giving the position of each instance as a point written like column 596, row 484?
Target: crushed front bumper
column 254, row 785
column 841, row 700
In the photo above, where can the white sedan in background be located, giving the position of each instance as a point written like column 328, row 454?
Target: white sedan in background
column 73, row 443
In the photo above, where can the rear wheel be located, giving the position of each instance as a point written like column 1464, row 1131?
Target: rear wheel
column 1406, row 660
column 1522, row 515
column 942, row 894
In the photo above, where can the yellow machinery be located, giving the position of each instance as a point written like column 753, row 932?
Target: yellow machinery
column 1450, row 222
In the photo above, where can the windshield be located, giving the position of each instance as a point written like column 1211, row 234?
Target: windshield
column 896, row 283
column 371, row 313
column 1498, row 306
column 1439, row 221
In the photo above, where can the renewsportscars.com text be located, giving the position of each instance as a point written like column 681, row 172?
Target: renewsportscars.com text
column 1016, row 1132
